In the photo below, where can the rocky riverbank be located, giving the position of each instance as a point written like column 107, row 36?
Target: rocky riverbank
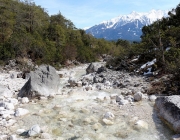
column 91, row 104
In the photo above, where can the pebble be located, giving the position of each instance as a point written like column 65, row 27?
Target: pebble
column 24, row 100
column 140, row 124
column 34, row 130
column 12, row 137
column 108, row 115
column 21, row 112
column 138, row 96
column 45, row 136
column 152, row 98
column 13, row 101
column 108, row 122
column 9, row 106
column 20, row 131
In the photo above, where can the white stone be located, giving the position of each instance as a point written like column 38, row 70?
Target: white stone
column 24, row 100
column 43, row 98
column 79, row 84
column 21, row 112
column 20, row 131
column 152, row 98
column 138, row 96
column 108, row 122
column 140, row 124
column 6, row 116
column 123, row 102
column 2, row 108
column 9, row 106
column 45, row 136
column 5, row 92
column 34, row 130
column 108, row 115
column 10, row 112
column 12, row 137
column 107, row 83
column 3, row 137
column 10, row 122
column 100, row 136
column 119, row 98
column 96, row 126
column 144, row 96
column 13, row 100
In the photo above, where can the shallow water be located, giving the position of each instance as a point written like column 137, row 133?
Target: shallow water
column 83, row 119
column 79, row 116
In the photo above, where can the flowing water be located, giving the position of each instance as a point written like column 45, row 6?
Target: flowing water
column 78, row 115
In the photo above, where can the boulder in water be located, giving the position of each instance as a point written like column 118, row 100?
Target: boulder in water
column 168, row 108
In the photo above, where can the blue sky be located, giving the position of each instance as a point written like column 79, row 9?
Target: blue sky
column 87, row 13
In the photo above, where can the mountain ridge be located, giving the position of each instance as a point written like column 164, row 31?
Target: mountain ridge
column 126, row 27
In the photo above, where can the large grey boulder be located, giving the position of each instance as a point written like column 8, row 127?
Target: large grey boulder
column 44, row 81
column 91, row 68
column 168, row 108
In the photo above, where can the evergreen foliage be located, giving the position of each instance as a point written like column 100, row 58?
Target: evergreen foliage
column 26, row 30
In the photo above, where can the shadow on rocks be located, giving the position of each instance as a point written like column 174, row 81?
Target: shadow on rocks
column 165, row 133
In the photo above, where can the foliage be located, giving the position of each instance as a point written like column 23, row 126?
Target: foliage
column 162, row 40
column 26, row 30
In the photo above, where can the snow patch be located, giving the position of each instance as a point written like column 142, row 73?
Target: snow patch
column 149, row 63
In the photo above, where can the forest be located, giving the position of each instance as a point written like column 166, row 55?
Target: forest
column 27, row 31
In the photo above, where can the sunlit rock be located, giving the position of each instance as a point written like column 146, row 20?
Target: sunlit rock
column 10, row 122
column 108, row 115
column 140, row 124
column 24, row 100
column 20, row 131
column 96, row 126
column 45, row 136
column 63, row 114
column 100, row 137
column 21, row 112
column 44, row 81
column 9, row 106
column 122, row 134
column 13, row 100
column 108, row 122
column 138, row 96
column 72, row 82
column 5, row 92
column 13, row 137
column 84, row 110
column 87, row 121
column 3, row 137
column 152, row 98
column 92, row 68
column 34, row 130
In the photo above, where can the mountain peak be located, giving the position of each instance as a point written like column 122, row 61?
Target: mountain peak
column 124, row 26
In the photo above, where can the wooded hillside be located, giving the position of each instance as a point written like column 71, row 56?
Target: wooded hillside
column 26, row 30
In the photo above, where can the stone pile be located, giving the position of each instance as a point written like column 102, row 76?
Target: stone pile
column 97, row 77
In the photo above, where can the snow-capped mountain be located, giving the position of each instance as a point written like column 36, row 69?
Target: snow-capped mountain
column 126, row 27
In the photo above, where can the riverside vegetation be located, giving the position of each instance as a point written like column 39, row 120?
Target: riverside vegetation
column 27, row 31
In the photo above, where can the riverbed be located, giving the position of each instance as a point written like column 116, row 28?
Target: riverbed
column 77, row 114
